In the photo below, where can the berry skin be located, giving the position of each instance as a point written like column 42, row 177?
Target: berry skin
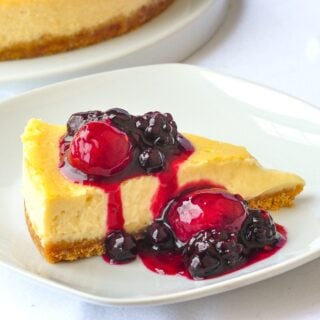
column 152, row 160
column 205, row 209
column 120, row 247
column 158, row 128
column 258, row 230
column 211, row 252
column 99, row 148
column 77, row 120
column 159, row 237
column 119, row 118
column 204, row 266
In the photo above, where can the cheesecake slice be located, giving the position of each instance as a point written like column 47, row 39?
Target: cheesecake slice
column 32, row 28
column 72, row 194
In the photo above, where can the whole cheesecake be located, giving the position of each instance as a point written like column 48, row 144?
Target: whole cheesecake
column 31, row 28
column 112, row 171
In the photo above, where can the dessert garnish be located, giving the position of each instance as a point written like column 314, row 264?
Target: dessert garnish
column 199, row 230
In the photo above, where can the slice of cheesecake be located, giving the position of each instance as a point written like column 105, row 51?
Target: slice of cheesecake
column 69, row 213
column 32, row 28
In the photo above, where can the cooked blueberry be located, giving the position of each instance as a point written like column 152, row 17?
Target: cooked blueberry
column 204, row 265
column 120, row 247
column 159, row 128
column 159, row 237
column 118, row 115
column 141, row 122
column 78, row 119
column 231, row 250
column 212, row 252
column 152, row 160
column 259, row 230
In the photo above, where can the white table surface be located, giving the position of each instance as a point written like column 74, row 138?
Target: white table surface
column 272, row 42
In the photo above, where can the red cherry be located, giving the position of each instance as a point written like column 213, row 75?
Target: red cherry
column 98, row 148
column 206, row 209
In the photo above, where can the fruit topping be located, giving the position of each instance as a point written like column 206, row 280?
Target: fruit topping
column 152, row 137
column 204, row 209
column 77, row 120
column 118, row 116
column 98, row 148
column 211, row 252
column 159, row 237
column 152, row 160
column 208, row 232
column 120, row 247
column 201, row 232
column 158, row 128
column 259, row 230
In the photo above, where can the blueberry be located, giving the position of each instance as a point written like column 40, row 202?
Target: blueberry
column 259, row 230
column 152, row 160
column 159, row 237
column 158, row 128
column 77, row 120
column 212, row 252
column 118, row 115
column 204, row 266
column 120, row 247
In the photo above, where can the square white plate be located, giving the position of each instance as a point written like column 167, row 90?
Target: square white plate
column 282, row 132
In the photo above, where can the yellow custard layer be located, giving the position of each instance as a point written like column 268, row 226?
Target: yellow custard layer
column 60, row 210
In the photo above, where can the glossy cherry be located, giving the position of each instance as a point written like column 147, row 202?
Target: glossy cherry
column 98, row 148
column 206, row 209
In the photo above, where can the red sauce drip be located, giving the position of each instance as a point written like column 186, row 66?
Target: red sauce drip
column 115, row 220
column 168, row 180
column 172, row 264
column 168, row 186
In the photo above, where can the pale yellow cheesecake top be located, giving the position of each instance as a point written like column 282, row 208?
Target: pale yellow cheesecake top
column 29, row 20
column 62, row 210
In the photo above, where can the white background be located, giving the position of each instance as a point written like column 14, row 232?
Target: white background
column 272, row 42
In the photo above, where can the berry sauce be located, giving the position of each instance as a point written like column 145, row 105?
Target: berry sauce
column 199, row 230
column 173, row 263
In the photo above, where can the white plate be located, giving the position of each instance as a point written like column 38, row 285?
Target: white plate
column 171, row 37
column 281, row 131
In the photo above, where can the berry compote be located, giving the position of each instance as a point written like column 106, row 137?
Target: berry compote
column 199, row 231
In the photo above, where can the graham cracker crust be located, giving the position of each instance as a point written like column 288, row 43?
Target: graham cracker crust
column 66, row 251
column 49, row 44
column 277, row 200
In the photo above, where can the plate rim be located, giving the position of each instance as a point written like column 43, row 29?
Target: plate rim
column 184, row 295
column 182, row 65
column 171, row 298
